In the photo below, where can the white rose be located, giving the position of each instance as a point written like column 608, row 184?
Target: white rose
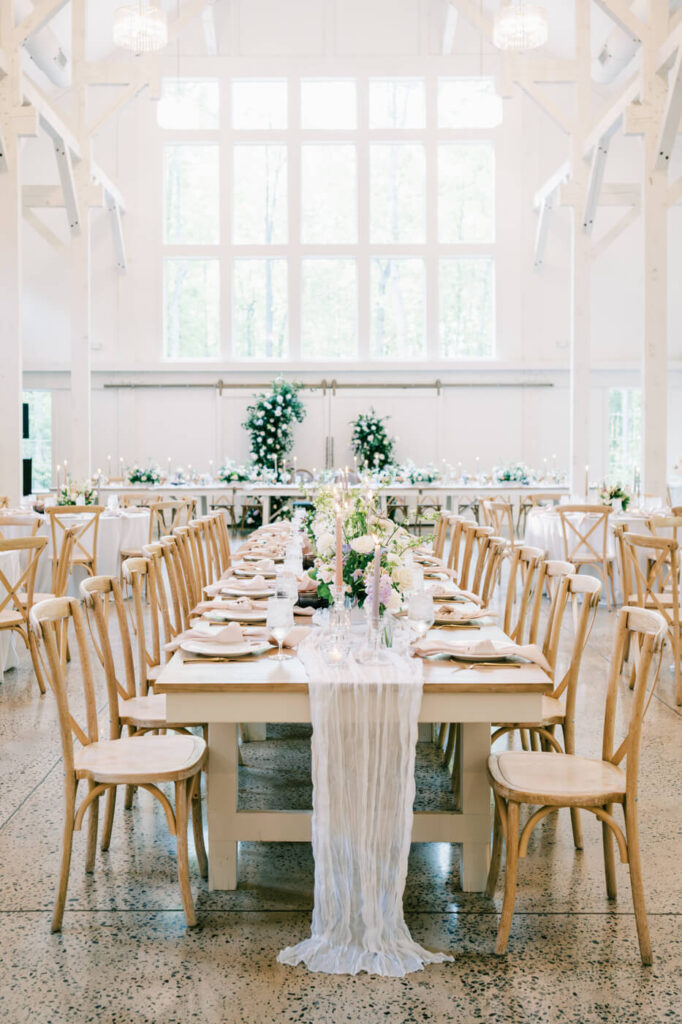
column 363, row 545
column 402, row 575
column 394, row 602
column 325, row 543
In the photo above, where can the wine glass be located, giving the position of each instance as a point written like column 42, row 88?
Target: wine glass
column 420, row 611
column 280, row 621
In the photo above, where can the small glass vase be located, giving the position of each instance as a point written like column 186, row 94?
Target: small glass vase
column 374, row 650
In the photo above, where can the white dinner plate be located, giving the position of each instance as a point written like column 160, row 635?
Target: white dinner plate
column 248, row 573
column 259, row 558
column 478, row 657
column 235, row 615
column 238, row 650
column 235, row 592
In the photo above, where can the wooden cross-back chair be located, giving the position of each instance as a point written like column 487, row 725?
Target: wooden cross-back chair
column 549, row 780
column 191, row 560
column 440, row 534
column 530, row 501
column 524, row 565
column 585, row 532
column 4, row 501
column 498, row 513
column 182, row 599
column 473, row 538
column 104, row 764
column 455, row 550
column 29, row 523
column 426, row 507
column 657, row 586
column 216, row 545
column 161, row 599
column 496, row 550
column 136, row 499
column 553, row 576
column 85, row 537
column 17, row 583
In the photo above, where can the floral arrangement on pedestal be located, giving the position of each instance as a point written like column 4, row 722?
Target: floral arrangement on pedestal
column 72, row 493
column 150, row 475
column 371, row 444
column 614, row 493
column 270, row 424
column 362, row 528
column 515, row 472
column 231, row 473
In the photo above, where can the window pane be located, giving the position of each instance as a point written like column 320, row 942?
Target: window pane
column 259, row 209
column 191, row 298
column 396, row 103
column 259, row 309
column 329, row 317
column 38, row 446
column 188, row 103
column 398, row 304
column 257, row 104
column 328, row 194
column 468, row 103
column 466, row 192
column 625, row 435
column 397, row 193
column 328, row 104
column 467, row 304
column 191, row 195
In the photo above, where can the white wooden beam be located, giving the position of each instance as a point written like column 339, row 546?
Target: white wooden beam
column 42, row 229
column 624, row 17
column 594, row 183
column 672, row 112
column 187, row 13
column 609, row 123
column 208, row 25
column 547, row 105
column 542, row 231
column 51, row 197
column 611, row 194
column 475, row 15
column 4, row 162
column 670, row 46
column 675, row 193
column 126, row 97
column 609, row 237
column 65, row 168
column 449, row 29
column 43, row 11
column 562, row 174
column 117, row 234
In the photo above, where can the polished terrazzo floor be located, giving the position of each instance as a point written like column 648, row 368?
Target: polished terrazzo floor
column 125, row 955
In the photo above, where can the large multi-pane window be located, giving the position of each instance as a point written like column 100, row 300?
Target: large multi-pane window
column 625, row 434
column 38, row 445
column 329, row 218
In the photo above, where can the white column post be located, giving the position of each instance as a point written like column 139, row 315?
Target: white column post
column 10, row 328
column 655, row 214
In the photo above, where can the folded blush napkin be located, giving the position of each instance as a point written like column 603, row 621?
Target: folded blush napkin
column 460, row 612
column 453, row 592
column 306, row 585
column 238, row 584
column 484, row 648
column 228, row 635
column 293, row 638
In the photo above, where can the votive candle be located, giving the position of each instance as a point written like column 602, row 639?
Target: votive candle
column 339, row 552
column 375, row 589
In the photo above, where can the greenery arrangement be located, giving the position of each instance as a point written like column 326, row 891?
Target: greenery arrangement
column 270, row 423
column 150, row 475
column 515, row 472
column 362, row 528
column 76, row 494
column 371, row 444
column 420, row 474
column 611, row 493
column 231, row 473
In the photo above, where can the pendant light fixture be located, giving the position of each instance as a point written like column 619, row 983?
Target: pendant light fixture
column 520, row 26
column 140, row 27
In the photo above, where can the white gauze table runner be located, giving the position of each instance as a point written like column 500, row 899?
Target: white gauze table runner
column 363, row 752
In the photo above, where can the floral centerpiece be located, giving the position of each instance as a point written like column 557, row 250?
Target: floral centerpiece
column 612, row 493
column 150, row 475
column 72, row 493
column 420, row 474
column 232, row 473
column 371, row 444
column 270, row 424
column 362, row 529
column 515, row 472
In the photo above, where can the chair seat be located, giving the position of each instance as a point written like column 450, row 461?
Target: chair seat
column 591, row 559
column 537, row 777
column 141, row 759
column 9, row 617
column 82, row 559
column 131, row 553
column 23, row 597
column 148, row 712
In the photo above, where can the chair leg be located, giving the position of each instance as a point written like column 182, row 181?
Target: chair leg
column 632, row 834
column 67, row 845
column 675, row 644
column 92, row 833
column 495, row 855
column 609, row 858
column 198, row 826
column 511, row 868
column 181, row 823
column 577, row 828
column 109, row 817
column 449, row 743
column 35, row 658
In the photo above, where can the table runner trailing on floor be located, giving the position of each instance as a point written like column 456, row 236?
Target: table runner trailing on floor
column 363, row 752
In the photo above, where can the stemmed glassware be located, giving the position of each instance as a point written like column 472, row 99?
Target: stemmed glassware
column 280, row 622
column 420, row 611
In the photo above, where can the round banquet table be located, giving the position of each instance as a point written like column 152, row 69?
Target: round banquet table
column 118, row 531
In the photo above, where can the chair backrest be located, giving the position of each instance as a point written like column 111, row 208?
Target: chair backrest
column 62, row 566
column 473, row 538
column 182, row 593
column 111, row 634
column 498, row 513
column 29, row 523
column 135, row 500
column 553, row 575
column 662, row 572
column 456, row 532
column 646, row 631
column 584, row 529
column 623, row 560
column 85, row 532
column 166, row 514
column 197, row 536
column 50, row 620
column 497, row 549
column 546, row 498
column 659, row 526
column 164, row 582
column 4, row 501
column 584, row 593
column 137, row 572
column 440, row 534
column 17, row 582
column 523, row 568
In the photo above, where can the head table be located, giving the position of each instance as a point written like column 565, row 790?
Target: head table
column 263, row 690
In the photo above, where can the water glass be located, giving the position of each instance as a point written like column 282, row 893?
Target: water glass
column 286, row 586
column 280, row 622
column 420, row 611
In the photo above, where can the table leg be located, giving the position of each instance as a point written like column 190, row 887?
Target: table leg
column 204, row 504
column 256, row 732
column 221, row 804
column 265, row 500
column 474, row 751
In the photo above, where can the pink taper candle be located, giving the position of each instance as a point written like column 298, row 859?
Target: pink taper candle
column 339, row 552
column 375, row 588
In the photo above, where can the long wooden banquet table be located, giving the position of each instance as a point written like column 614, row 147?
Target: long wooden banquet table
column 224, row 693
column 412, row 493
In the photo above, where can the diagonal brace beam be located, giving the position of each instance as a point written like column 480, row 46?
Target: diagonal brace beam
column 672, row 113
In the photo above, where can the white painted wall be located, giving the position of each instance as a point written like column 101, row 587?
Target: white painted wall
column 195, row 425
